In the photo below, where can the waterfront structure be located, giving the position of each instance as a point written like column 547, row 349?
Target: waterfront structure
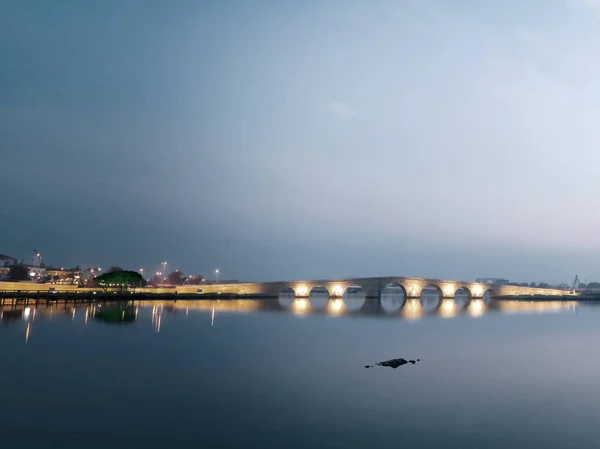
column 374, row 286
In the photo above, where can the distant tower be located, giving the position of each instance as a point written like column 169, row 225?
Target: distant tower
column 576, row 282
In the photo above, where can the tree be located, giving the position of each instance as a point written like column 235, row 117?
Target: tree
column 123, row 279
column 18, row 273
column 175, row 278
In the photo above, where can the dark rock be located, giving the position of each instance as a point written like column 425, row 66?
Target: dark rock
column 395, row 363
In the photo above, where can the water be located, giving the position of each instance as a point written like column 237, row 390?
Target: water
column 286, row 374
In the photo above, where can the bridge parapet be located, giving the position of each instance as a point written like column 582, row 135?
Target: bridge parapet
column 372, row 287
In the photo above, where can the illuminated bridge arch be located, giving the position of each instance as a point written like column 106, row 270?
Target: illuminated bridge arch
column 431, row 296
column 392, row 297
column 319, row 296
column 462, row 296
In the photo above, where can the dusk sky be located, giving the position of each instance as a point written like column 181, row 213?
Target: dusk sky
column 313, row 139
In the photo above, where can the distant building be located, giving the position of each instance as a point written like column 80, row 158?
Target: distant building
column 7, row 261
column 63, row 276
column 494, row 281
column 40, row 272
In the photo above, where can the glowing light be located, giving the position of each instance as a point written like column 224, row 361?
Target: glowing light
column 412, row 310
column 537, row 306
column 449, row 290
column 337, row 290
column 477, row 290
column 448, row 308
column 302, row 290
column 26, row 312
column 476, row 308
column 336, row 306
column 300, row 305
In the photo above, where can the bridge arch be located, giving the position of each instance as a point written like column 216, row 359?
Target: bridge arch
column 392, row 297
column 287, row 296
column 354, row 298
column 431, row 297
column 319, row 297
column 487, row 296
column 462, row 297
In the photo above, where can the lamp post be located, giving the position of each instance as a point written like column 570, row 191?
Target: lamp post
column 164, row 264
column 142, row 273
column 217, row 276
column 37, row 260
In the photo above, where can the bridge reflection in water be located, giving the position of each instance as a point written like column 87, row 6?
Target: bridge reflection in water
column 390, row 305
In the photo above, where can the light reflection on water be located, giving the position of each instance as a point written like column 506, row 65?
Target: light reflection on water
column 283, row 373
column 390, row 305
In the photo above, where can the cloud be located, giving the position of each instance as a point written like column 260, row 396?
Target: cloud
column 341, row 110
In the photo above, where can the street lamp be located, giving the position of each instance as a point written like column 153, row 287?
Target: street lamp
column 37, row 260
column 164, row 267
column 217, row 275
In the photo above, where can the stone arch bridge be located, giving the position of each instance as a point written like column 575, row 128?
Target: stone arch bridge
column 372, row 288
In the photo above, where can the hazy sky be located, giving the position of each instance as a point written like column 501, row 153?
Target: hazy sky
column 312, row 139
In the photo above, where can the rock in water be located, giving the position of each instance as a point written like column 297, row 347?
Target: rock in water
column 395, row 363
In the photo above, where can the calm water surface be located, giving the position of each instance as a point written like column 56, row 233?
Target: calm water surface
column 290, row 374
